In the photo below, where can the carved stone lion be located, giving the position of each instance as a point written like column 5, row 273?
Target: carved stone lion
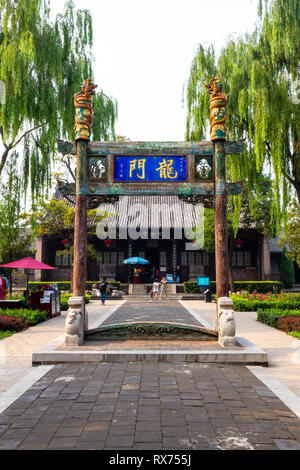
column 227, row 326
column 74, row 328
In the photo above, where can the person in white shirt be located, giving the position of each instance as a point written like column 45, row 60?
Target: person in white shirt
column 155, row 290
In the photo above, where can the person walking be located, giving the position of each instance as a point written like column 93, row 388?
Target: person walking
column 103, row 290
column 155, row 290
column 164, row 288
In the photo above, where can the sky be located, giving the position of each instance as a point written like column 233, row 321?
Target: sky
column 144, row 49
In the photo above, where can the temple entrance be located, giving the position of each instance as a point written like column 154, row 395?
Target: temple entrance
column 152, row 255
column 195, row 172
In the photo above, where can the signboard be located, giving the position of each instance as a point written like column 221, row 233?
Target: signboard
column 203, row 281
column 183, row 169
column 169, row 277
column 148, row 168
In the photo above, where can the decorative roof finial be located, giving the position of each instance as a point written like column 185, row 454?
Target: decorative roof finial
column 83, row 109
column 217, row 116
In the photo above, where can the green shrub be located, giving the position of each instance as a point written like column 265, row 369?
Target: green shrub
column 66, row 285
column 31, row 316
column 270, row 317
column 286, row 270
column 64, row 301
column 6, row 334
column 289, row 323
column 295, row 334
column 9, row 323
column 115, row 284
column 247, row 305
column 190, row 287
column 35, row 286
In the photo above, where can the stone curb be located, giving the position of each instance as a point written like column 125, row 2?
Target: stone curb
column 250, row 355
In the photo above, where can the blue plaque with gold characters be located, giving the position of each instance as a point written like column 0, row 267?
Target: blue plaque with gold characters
column 138, row 168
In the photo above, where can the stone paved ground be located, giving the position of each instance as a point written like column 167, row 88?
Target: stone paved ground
column 16, row 351
column 143, row 310
column 149, row 406
column 283, row 350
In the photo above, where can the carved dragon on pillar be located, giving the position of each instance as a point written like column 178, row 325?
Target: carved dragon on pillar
column 83, row 111
column 218, row 115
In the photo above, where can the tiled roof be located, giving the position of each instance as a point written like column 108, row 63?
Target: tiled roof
column 273, row 247
column 153, row 211
column 161, row 211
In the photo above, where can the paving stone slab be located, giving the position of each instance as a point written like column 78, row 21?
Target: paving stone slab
column 195, row 425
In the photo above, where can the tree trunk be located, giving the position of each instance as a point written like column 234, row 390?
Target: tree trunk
column 3, row 159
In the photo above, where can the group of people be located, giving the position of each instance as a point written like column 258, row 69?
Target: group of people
column 158, row 289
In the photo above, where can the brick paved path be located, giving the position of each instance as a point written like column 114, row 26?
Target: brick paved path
column 149, row 406
column 143, row 310
column 16, row 351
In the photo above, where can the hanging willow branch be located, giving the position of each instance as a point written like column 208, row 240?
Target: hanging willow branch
column 43, row 64
column 258, row 72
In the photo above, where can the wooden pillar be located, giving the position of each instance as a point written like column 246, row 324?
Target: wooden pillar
column 218, row 129
column 80, row 234
column 221, row 236
column 174, row 259
column 130, row 268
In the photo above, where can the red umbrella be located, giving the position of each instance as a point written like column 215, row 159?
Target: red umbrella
column 26, row 263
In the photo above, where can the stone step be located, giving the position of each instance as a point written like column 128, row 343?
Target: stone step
column 147, row 296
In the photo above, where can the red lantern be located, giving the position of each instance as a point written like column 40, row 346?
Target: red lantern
column 108, row 242
column 239, row 243
column 65, row 243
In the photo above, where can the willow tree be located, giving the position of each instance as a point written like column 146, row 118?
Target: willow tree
column 42, row 64
column 15, row 240
column 259, row 71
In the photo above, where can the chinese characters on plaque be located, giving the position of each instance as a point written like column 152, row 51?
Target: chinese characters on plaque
column 150, row 168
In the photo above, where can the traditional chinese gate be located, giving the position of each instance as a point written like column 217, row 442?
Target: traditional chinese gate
column 193, row 171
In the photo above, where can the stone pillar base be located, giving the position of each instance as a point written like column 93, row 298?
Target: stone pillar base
column 76, row 322
column 225, row 321
column 78, row 303
column 73, row 340
column 227, row 340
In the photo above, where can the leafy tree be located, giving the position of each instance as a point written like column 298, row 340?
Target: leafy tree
column 259, row 72
column 286, row 270
column 291, row 236
column 58, row 218
column 42, row 64
column 259, row 218
column 15, row 240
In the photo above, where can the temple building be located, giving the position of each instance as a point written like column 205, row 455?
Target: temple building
column 157, row 228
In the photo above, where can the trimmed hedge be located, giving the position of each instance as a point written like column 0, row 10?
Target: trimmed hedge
column 289, row 324
column 35, row 286
column 295, row 334
column 12, row 323
column 190, row 287
column 32, row 317
column 270, row 317
column 249, row 305
column 64, row 306
column 66, row 285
